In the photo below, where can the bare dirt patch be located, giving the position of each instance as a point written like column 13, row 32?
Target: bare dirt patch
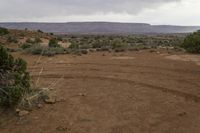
column 151, row 94
column 191, row 58
column 123, row 58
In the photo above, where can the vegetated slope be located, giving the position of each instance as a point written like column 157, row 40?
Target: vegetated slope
column 18, row 37
column 101, row 27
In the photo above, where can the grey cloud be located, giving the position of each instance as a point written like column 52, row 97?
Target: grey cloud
column 44, row 8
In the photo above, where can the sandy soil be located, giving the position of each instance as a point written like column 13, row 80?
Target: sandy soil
column 136, row 92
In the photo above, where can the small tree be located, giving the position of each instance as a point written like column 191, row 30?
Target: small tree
column 3, row 31
column 14, row 80
column 192, row 42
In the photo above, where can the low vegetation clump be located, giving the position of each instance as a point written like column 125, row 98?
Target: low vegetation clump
column 120, row 43
column 14, row 79
column 192, row 42
column 16, row 90
column 37, row 40
column 29, row 40
column 26, row 45
column 12, row 39
column 33, row 40
column 37, row 49
column 53, row 43
column 3, row 31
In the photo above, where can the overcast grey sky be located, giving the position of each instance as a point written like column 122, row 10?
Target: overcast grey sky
column 176, row 12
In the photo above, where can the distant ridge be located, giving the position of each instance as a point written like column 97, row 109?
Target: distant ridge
column 100, row 27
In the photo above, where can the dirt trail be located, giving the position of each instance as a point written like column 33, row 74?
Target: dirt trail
column 138, row 92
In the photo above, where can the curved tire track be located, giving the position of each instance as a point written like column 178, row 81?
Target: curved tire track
column 187, row 96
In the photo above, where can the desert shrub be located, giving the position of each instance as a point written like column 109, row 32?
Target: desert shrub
column 104, row 48
column 14, row 80
column 85, row 46
column 118, row 44
column 96, row 44
column 53, row 43
column 59, row 38
column 3, row 31
column 40, row 31
column 22, row 34
column 74, row 45
column 35, row 49
column 12, row 50
column 37, row 40
column 192, row 42
column 26, row 45
column 29, row 40
column 119, row 50
column 12, row 39
column 57, row 50
column 84, row 51
column 49, row 53
column 45, row 51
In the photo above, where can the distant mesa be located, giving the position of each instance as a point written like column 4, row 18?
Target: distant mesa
column 100, row 27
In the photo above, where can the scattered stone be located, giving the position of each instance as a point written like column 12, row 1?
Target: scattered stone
column 152, row 51
column 182, row 114
column 50, row 100
column 82, row 94
column 60, row 99
column 62, row 128
column 17, row 110
column 22, row 113
column 39, row 105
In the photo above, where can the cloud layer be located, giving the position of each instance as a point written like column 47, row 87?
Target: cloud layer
column 99, row 10
column 24, row 8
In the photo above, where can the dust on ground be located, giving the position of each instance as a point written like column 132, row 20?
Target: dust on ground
column 149, row 93
column 190, row 58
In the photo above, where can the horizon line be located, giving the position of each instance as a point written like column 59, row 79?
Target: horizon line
column 96, row 22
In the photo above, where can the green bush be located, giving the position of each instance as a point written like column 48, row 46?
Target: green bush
column 74, row 46
column 59, row 38
column 29, row 40
column 3, row 31
column 26, row 45
column 84, row 51
column 53, row 43
column 12, row 39
column 118, row 44
column 37, row 40
column 53, row 51
column 14, row 80
column 192, row 42
column 40, row 31
column 35, row 49
column 46, row 51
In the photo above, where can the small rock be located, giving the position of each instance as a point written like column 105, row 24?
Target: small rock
column 17, row 110
column 182, row 114
column 50, row 100
column 82, row 94
column 39, row 105
column 60, row 99
column 61, row 128
column 22, row 113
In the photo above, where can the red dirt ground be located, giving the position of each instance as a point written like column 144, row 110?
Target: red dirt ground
column 133, row 92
